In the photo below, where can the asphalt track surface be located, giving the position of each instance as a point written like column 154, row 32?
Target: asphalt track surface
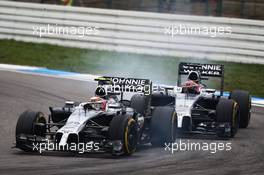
column 19, row 92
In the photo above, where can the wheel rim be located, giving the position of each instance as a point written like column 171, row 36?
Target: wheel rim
column 130, row 136
column 249, row 108
column 235, row 121
column 39, row 119
column 173, row 127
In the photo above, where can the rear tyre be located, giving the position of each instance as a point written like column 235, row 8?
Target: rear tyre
column 244, row 102
column 123, row 132
column 163, row 126
column 227, row 112
column 29, row 124
column 138, row 103
column 160, row 99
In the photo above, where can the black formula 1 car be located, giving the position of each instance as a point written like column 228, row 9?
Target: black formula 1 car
column 106, row 123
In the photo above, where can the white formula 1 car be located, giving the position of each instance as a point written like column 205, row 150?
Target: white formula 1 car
column 106, row 123
column 202, row 110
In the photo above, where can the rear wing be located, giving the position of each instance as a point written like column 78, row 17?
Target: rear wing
column 126, row 84
column 105, row 80
column 206, row 70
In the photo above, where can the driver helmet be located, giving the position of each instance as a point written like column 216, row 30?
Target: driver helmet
column 194, row 76
column 98, row 103
column 100, row 92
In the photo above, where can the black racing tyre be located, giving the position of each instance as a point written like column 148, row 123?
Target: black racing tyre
column 227, row 112
column 29, row 123
column 60, row 115
column 163, row 125
column 138, row 103
column 244, row 102
column 124, row 128
column 161, row 99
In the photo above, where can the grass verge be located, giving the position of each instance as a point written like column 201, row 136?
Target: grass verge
column 159, row 69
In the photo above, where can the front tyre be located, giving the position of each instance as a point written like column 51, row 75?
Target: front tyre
column 227, row 113
column 123, row 134
column 244, row 102
column 30, row 124
column 163, row 125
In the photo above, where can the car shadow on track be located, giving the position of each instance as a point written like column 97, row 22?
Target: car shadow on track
column 200, row 137
column 103, row 155
column 106, row 155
